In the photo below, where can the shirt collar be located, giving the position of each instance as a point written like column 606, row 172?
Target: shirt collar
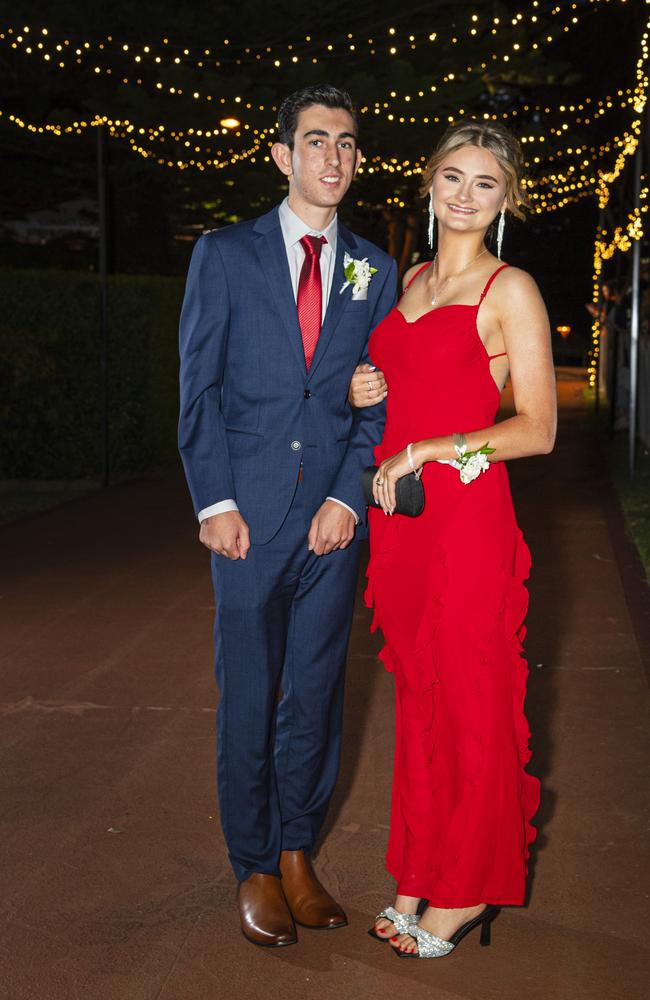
column 293, row 228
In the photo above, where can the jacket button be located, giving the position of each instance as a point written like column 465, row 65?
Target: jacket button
column 307, row 394
column 296, row 445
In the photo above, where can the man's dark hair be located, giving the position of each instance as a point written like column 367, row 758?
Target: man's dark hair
column 325, row 94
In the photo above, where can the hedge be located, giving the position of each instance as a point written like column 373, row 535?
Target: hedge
column 50, row 373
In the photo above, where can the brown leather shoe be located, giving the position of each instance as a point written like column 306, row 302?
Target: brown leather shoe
column 311, row 904
column 263, row 911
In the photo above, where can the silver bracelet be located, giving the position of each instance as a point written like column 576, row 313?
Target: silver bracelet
column 409, row 455
column 459, row 441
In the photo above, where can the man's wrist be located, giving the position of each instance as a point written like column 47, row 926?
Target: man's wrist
column 347, row 507
column 223, row 507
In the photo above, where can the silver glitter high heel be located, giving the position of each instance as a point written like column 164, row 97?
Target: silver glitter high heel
column 430, row 946
column 405, row 923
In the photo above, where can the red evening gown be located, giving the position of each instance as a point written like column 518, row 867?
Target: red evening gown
column 448, row 593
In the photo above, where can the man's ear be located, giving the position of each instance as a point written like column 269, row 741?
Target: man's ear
column 358, row 159
column 282, row 156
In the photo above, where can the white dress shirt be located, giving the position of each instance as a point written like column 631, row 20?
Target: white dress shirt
column 293, row 230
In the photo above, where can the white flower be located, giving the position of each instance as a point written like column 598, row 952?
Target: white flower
column 470, row 464
column 473, row 466
column 358, row 273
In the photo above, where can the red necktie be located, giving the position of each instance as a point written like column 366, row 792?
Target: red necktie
column 310, row 295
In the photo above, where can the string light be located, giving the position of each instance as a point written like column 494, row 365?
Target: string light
column 562, row 175
column 146, row 53
column 196, row 138
column 561, row 184
column 622, row 237
column 134, row 135
column 388, row 42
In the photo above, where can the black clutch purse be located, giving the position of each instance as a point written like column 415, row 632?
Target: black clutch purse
column 409, row 493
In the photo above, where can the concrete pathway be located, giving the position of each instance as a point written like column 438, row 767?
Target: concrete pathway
column 115, row 884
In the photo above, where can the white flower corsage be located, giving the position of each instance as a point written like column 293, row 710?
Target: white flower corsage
column 472, row 463
column 358, row 273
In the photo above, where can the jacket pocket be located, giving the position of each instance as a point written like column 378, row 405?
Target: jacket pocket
column 242, row 442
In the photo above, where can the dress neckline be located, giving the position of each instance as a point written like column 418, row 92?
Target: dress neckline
column 448, row 305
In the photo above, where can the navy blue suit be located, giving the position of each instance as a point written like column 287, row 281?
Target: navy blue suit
column 252, row 417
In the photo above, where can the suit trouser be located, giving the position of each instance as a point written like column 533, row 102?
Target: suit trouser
column 282, row 624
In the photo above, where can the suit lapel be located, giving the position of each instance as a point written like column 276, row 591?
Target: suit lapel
column 345, row 242
column 272, row 255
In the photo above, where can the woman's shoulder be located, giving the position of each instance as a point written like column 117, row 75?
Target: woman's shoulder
column 514, row 279
column 512, row 285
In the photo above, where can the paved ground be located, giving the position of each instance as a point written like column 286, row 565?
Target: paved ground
column 114, row 879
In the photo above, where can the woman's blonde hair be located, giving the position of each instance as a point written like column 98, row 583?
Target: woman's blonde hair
column 498, row 141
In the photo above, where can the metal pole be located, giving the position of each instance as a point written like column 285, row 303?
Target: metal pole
column 599, row 304
column 103, row 299
column 634, row 325
column 613, row 345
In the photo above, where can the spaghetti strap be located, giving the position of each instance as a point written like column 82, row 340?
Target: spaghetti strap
column 503, row 354
column 489, row 281
column 417, row 273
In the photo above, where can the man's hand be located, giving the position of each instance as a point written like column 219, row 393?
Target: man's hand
column 332, row 528
column 226, row 534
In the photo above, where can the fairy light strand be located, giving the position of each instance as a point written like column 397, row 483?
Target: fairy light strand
column 386, row 40
column 623, row 236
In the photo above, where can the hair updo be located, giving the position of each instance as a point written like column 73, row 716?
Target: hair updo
column 499, row 141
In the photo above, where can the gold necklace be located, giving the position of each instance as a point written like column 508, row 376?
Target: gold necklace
column 436, row 295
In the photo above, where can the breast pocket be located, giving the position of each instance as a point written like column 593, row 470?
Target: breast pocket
column 359, row 306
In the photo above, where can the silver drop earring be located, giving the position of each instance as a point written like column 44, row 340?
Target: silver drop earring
column 432, row 222
column 502, row 226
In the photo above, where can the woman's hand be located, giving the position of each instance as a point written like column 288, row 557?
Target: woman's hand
column 390, row 470
column 368, row 387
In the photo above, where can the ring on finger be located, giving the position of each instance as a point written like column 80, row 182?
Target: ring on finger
column 379, row 482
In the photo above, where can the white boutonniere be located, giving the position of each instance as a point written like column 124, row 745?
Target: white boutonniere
column 358, row 273
column 472, row 463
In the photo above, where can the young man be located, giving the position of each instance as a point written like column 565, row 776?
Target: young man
column 273, row 455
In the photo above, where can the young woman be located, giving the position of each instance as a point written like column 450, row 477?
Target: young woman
column 447, row 587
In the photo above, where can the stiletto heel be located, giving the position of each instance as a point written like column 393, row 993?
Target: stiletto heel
column 430, row 946
column 486, row 933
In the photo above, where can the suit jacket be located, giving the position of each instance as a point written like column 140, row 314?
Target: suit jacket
column 250, row 411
